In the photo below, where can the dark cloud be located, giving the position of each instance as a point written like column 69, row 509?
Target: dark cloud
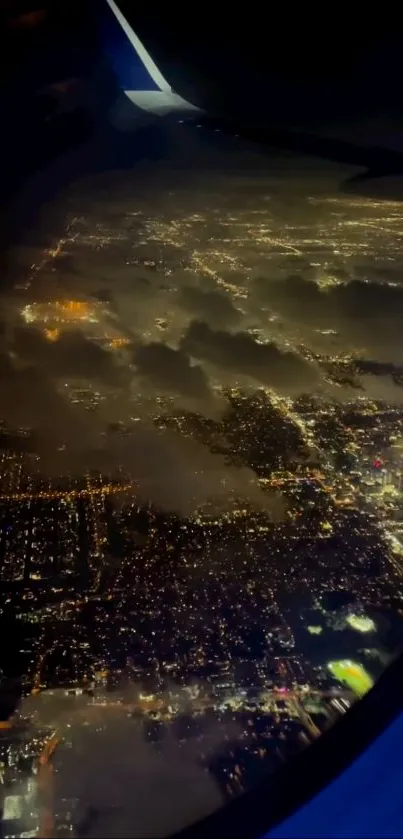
column 71, row 355
column 30, row 399
column 211, row 306
column 147, row 791
column 360, row 310
column 241, row 353
column 377, row 368
column 29, row 376
column 177, row 474
column 382, row 387
column 180, row 474
column 373, row 377
column 150, row 455
column 294, row 296
column 170, row 369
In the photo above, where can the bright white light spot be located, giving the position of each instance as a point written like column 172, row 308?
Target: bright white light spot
column 361, row 623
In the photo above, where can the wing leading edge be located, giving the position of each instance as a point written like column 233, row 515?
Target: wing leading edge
column 137, row 74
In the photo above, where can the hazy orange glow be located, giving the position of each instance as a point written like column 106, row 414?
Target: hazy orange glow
column 52, row 334
column 116, row 343
column 74, row 307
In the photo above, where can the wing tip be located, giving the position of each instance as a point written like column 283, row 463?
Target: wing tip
column 136, row 69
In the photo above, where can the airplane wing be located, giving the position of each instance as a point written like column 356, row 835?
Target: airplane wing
column 137, row 74
column 147, row 89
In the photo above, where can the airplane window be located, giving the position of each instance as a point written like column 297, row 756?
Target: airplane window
column 201, row 428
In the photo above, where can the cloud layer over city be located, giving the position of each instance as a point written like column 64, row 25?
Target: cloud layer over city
column 175, row 305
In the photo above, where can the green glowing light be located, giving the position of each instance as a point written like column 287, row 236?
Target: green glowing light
column 315, row 630
column 352, row 675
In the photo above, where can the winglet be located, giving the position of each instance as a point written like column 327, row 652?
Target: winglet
column 133, row 65
column 137, row 74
